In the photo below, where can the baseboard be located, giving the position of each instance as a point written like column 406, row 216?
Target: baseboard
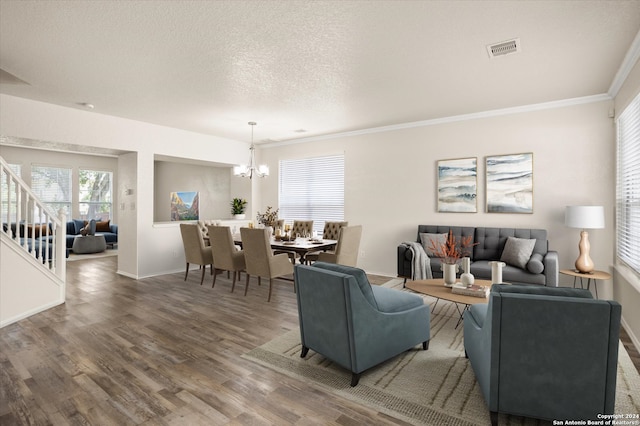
column 632, row 337
column 30, row 312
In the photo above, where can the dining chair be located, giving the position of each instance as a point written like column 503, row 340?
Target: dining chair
column 346, row 252
column 226, row 256
column 302, row 227
column 203, row 224
column 195, row 250
column 260, row 260
column 331, row 231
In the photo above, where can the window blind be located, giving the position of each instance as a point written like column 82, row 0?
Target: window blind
column 53, row 186
column 628, row 186
column 312, row 189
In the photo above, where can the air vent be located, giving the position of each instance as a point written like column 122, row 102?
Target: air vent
column 504, row 48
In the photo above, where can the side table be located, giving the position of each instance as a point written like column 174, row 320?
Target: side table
column 592, row 276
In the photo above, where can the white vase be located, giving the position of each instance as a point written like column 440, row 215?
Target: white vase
column 239, row 216
column 467, row 277
column 496, row 272
column 449, row 271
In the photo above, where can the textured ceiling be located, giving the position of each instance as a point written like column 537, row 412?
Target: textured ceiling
column 322, row 66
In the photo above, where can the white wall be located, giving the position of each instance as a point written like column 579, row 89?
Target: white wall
column 390, row 178
column 151, row 246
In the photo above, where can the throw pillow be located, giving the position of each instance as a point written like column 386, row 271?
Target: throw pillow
column 535, row 265
column 103, row 226
column 430, row 240
column 517, row 252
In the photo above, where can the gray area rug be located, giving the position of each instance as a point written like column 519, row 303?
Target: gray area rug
column 433, row 387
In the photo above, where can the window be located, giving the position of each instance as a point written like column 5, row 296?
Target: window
column 52, row 185
column 95, row 194
column 312, row 189
column 628, row 186
column 8, row 188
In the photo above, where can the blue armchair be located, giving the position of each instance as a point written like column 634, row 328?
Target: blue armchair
column 549, row 353
column 353, row 323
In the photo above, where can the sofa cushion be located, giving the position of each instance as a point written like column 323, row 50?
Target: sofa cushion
column 357, row 273
column 390, row 300
column 517, row 251
column 78, row 225
column 103, row 226
column 428, row 241
column 535, row 264
column 478, row 312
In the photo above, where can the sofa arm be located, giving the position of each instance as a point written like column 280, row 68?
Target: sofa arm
column 114, row 229
column 405, row 258
column 551, row 269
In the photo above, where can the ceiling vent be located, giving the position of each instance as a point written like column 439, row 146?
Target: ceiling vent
column 504, row 48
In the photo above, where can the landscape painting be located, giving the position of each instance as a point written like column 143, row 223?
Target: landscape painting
column 510, row 183
column 185, row 206
column 457, row 185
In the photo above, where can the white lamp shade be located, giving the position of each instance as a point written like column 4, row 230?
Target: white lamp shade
column 584, row 217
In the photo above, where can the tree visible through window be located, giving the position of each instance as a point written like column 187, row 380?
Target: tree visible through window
column 95, row 194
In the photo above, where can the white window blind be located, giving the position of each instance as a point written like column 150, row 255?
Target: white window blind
column 95, row 194
column 52, row 185
column 628, row 186
column 312, row 189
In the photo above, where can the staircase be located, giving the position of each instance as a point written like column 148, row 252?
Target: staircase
column 32, row 251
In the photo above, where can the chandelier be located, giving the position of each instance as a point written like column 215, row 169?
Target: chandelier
column 250, row 170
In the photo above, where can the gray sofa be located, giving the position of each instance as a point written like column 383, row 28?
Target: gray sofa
column 355, row 324
column 549, row 353
column 541, row 268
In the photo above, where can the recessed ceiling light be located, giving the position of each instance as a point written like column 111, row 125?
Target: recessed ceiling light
column 86, row 105
column 300, row 130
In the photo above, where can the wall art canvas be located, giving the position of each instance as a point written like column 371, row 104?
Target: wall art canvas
column 457, row 185
column 509, row 183
column 185, row 205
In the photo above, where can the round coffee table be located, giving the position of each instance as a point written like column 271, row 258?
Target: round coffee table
column 436, row 288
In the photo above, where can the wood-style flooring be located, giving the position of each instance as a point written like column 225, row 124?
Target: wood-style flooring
column 161, row 351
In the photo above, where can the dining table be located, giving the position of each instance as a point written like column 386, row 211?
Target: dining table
column 302, row 246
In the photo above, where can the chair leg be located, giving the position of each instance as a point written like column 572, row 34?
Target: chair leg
column 425, row 345
column 305, row 351
column 355, row 378
column 246, row 286
column 270, row 282
column 186, row 272
column 204, row 269
column 494, row 418
column 214, row 280
column 233, row 285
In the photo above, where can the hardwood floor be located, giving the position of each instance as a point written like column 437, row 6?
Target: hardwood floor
column 160, row 351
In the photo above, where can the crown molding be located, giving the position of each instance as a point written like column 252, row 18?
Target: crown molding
column 444, row 120
column 627, row 65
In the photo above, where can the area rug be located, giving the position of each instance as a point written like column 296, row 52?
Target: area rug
column 433, row 387
column 107, row 253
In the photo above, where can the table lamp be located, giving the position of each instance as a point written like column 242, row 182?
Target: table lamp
column 584, row 217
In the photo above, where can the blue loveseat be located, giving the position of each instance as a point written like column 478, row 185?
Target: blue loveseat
column 106, row 229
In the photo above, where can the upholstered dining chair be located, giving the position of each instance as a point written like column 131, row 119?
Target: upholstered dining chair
column 225, row 254
column 195, row 250
column 331, row 232
column 260, row 260
column 302, row 227
column 346, row 252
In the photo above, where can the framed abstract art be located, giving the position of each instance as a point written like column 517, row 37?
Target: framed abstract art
column 457, row 185
column 509, row 181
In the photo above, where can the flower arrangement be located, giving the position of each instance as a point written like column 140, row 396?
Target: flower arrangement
column 268, row 218
column 452, row 249
column 238, row 205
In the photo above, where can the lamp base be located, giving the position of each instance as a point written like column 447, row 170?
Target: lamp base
column 584, row 264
